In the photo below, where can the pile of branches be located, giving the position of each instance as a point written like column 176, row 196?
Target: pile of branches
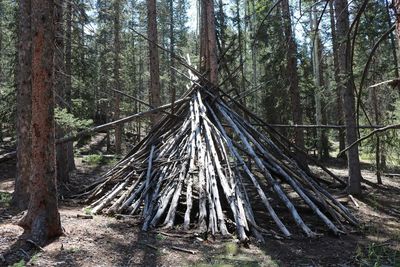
column 197, row 169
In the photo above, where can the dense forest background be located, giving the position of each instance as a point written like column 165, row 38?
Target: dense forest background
column 254, row 48
column 303, row 94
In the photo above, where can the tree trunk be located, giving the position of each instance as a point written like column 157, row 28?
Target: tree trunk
column 339, row 100
column 59, row 77
column 208, row 41
column 68, row 78
column 378, row 143
column 396, row 8
column 393, row 43
column 42, row 221
column 117, row 78
column 294, row 92
column 154, row 90
column 172, row 74
column 317, row 78
column 24, row 107
column 347, row 89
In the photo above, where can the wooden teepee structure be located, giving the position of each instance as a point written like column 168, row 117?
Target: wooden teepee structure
column 198, row 167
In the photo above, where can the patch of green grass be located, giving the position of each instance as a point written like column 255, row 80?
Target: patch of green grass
column 21, row 263
column 97, row 159
column 231, row 248
column 34, row 259
column 5, row 198
column 87, row 211
column 376, row 254
column 94, row 159
column 160, row 237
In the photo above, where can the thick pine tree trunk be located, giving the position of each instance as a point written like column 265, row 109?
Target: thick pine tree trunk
column 208, row 41
column 347, row 89
column 24, row 107
column 42, row 221
column 294, row 92
column 154, row 92
column 117, row 78
column 339, row 100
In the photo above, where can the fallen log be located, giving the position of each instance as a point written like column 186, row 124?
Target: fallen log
column 106, row 126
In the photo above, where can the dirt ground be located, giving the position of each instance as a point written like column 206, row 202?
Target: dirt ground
column 109, row 241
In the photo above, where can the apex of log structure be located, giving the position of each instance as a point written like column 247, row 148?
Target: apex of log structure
column 206, row 170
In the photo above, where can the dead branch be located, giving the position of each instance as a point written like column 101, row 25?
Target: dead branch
column 379, row 130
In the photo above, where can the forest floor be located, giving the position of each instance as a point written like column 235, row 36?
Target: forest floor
column 109, row 241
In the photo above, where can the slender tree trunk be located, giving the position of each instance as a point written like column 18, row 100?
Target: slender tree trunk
column 24, row 106
column 152, row 33
column 172, row 74
column 393, row 44
column 317, row 78
column 1, row 69
column 117, row 78
column 254, row 48
column 378, row 143
column 42, row 221
column 347, row 89
column 59, row 77
column 396, row 8
column 291, row 67
column 68, row 78
column 240, row 48
column 339, row 100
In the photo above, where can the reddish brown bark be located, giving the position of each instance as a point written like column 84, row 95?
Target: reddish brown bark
column 42, row 221
column 208, row 41
column 24, row 105
column 154, row 92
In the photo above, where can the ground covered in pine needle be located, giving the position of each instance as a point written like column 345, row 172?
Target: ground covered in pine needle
column 109, row 241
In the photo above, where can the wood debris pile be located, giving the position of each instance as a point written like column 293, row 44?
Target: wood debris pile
column 197, row 169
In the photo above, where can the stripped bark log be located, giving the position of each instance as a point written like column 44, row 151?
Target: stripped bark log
column 194, row 169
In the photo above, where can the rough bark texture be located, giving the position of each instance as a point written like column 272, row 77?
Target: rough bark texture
column 396, row 8
column 42, row 221
column 59, row 77
column 154, row 92
column 291, row 65
column 347, row 89
column 208, row 42
column 339, row 100
column 117, row 78
column 24, row 105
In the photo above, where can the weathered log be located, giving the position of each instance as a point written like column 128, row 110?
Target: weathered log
column 196, row 162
